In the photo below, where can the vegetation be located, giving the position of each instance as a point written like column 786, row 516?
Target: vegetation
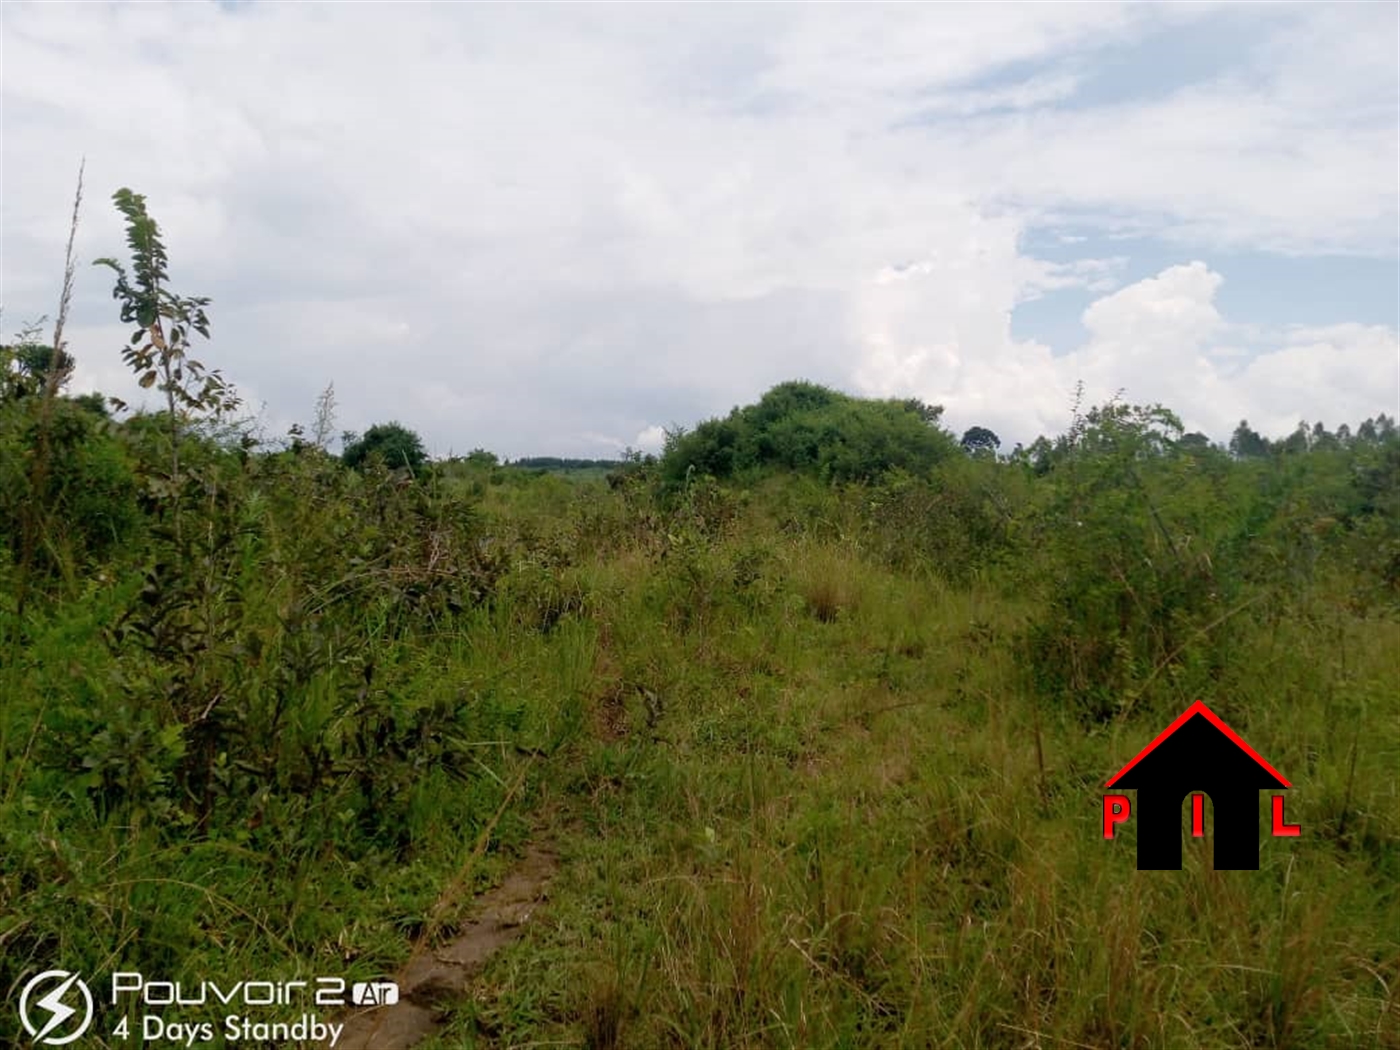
column 806, row 428
column 561, row 463
column 980, row 440
column 392, row 444
column 816, row 710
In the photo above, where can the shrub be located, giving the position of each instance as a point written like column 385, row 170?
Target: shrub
column 1132, row 581
column 394, row 443
column 89, row 490
column 808, row 428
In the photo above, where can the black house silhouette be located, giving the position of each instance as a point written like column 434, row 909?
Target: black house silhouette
column 1198, row 752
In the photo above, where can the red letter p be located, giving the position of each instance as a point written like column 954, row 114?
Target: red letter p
column 1115, row 810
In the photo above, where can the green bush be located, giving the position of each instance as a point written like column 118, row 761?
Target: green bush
column 807, row 428
column 87, row 504
column 394, row 443
column 966, row 518
column 1132, row 578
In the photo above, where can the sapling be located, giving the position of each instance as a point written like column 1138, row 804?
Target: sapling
column 158, row 350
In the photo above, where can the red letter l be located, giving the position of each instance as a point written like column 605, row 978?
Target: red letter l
column 1282, row 830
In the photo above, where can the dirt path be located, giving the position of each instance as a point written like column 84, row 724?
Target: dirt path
column 434, row 977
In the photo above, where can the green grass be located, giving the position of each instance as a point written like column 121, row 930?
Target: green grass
column 846, row 837
column 803, row 798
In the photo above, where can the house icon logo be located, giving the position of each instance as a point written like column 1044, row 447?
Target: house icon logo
column 1197, row 755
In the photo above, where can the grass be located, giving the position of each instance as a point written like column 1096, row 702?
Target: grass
column 844, row 834
column 802, row 799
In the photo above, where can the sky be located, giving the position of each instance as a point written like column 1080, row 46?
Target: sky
column 564, row 229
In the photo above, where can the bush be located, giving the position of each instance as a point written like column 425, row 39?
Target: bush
column 394, row 443
column 1133, row 581
column 810, row 429
column 88, row 498
column 964, row 519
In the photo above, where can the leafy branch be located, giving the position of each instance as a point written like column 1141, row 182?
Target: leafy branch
column 158, row 351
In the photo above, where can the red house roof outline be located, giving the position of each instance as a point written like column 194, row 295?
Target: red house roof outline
column 1199, row 708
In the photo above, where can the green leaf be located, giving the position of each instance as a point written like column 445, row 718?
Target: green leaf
column 172, row 739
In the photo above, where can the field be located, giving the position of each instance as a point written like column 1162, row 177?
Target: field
column 795, row 736
column 810, row 763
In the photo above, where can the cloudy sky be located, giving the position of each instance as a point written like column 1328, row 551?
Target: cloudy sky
column 558, row 229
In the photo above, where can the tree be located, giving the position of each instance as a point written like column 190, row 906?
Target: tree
column 788, row 399
column 805, row 427
column 1194, row 442
column 930, row 414
column 159, row 347
column 24, row 368
column 1296, row 442
column 1375, row 431
column 977, row 440
column 94, row 403
column 1246, row 443
column 1041, row 456
column 1143, row 431
column 394, row 443
column 1321, row 439
column 325, row 418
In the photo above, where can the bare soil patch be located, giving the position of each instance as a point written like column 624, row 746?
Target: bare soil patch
column 433, row 978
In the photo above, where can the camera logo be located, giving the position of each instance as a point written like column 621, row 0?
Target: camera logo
column 374, row 993
column 53, row 1011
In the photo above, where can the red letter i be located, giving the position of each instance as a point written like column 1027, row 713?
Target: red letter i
column 1198, row 816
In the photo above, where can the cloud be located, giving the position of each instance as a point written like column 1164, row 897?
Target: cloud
column 1094, row 275
column 521, row 226
column 1160, row 340
column 651, row 439
column 1158, row 313
column 1322, row 374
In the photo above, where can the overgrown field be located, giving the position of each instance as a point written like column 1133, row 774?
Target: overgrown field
column 824, row 764
column 819, row 732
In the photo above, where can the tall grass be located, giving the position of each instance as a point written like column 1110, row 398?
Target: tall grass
column 808, row 788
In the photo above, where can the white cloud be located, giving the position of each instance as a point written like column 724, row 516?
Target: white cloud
column 520, row 226
column 1095, row 275
column 1335, row 374
column 651, row 439
column 1176, row 305
column 1158, row 340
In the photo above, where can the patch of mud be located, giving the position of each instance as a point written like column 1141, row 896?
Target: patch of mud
column 436, row 977
column 610, row 715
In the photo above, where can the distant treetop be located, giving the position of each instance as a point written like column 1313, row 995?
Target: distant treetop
column 393, row 442
column 806, row 427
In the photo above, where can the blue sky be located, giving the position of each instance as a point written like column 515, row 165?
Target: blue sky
column 1261, row 288
column 561, row 229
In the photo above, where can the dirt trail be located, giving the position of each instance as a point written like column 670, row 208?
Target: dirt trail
column 434, row 977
